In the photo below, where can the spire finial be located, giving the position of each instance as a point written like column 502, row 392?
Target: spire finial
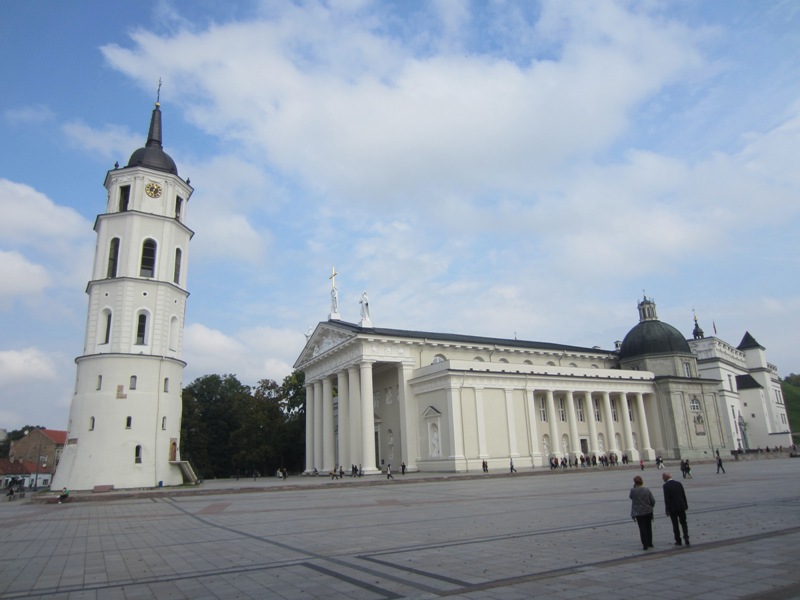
column 158, row 93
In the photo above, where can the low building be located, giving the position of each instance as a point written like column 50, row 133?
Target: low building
column 450, row 402
column 42, row 449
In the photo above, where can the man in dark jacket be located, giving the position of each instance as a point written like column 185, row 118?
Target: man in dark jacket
column 676, row 507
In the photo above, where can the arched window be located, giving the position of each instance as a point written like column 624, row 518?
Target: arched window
column 99, row 382
column 177, row 275
column 166, row 384
column 438, row 358
column 173, row 333
column 133, row 382
column 148, row 267
column 113, row 258
column 163, row 422
column 128, row 422
column 137, row 455
column 503, row 360
column 178, row 207
column 694, row 404
column 107, row 332
column 141, row 329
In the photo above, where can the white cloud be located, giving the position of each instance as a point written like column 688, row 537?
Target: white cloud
column 29, row 115
column 110, row 142
column 31, row 218
column 26, row 365
column 20, row 277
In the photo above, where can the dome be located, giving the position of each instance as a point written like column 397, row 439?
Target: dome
column 152, row 155
column 653, row 337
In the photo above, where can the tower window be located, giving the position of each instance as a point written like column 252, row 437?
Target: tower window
column 99, row 382
column 107, row 335
column 124, row 197
column 113, row 258
column 177, row 276
column 148, row 267
column 141, row 330
column 178, row 207
column 173, row 333
column 687, row 369
column 128, row 422
column 166, row 384
column 91, row 423
column 163, row 422
column 137, row 455
column 133, row 382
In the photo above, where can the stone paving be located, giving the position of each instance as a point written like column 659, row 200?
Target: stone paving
column 529, row 535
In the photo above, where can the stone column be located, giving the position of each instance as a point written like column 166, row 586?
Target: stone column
column 646, row 451
column 533, row 429
column 367, row 421
column 572, row 419
column 481, row 423
column 626, row 426
column 309, row 428
column 409, row 417
column 611, row 444
column 513, row 451
column 456, row 435
column 318, row 425
column 328, row 451
column 555, row 443
column 354, row 401
column 344, row 418
column 592, row 423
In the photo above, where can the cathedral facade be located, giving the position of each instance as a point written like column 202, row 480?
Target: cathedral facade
column 447, row 402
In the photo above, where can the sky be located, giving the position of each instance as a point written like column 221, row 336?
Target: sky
column 495, row 168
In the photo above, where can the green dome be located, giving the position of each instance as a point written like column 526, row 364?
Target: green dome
column 653, row 337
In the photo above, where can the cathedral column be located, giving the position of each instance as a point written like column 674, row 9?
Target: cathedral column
column 309, row 428
column 513, row 451
column 481, row 422
column 456, row 436
column 328, row 455
column 409, row 426
column 551, row 416
column 354, row 401
column 611, row 443
column 592, row 423
column 344, row 418
column 533, row 430
column 318, row 424
column 646, row 451
column 626, row 426
column 367, row 421
column 572, row 417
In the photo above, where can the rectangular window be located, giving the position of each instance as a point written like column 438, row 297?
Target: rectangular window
column 177, row 274
column 133, row 382
column 596, row 406
column 630, row 410
column 107, row 335
column 542, row 410
column 687, row 369
column 178, row 207
column 99, row 382
column 124, row 197
column 141, row 330
column 166, row 384
column 128, row 422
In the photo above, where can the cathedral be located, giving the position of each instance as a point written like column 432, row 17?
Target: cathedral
column 125, row 416
column 451, row 403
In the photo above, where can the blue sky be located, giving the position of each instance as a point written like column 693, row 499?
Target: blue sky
column 490, row 168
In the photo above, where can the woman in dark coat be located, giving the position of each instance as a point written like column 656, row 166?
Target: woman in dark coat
column 642, row 503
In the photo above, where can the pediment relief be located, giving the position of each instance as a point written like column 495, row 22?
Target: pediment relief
column 322, row 340
column 431, row 412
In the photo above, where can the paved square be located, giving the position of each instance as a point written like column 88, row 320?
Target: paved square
column 553, row 535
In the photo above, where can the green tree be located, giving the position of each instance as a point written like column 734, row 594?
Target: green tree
column 257, row 443
column 293, row 405
column 210, row 418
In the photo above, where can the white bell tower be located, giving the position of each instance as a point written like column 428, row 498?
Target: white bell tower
column 125, row 418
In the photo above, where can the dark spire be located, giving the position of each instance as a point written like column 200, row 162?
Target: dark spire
column 153, row 155
column 154, row 135
column 697, row 332
column 748, row 341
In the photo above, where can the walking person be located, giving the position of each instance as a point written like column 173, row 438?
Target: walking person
column 402, row 468
column 389, row 472
column 676, row 506
column 642, row 503
column 719, row 464
column 511, row 463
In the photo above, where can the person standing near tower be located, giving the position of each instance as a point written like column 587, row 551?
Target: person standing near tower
column 676, row 506
column 642, row 503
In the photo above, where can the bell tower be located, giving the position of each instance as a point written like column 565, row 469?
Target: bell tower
column 125, row 417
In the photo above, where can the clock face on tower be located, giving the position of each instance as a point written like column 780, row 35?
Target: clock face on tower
column 153, row 190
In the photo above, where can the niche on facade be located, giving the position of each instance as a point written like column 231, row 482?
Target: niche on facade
column 699, row 425
column 433, row 420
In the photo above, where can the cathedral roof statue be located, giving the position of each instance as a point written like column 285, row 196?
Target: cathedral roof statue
column 651, row 336
column 152, row 155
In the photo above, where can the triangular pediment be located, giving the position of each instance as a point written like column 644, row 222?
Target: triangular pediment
column 431, row 412
column 325, row 338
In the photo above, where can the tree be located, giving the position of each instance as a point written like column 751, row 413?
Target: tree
column 210, row 418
